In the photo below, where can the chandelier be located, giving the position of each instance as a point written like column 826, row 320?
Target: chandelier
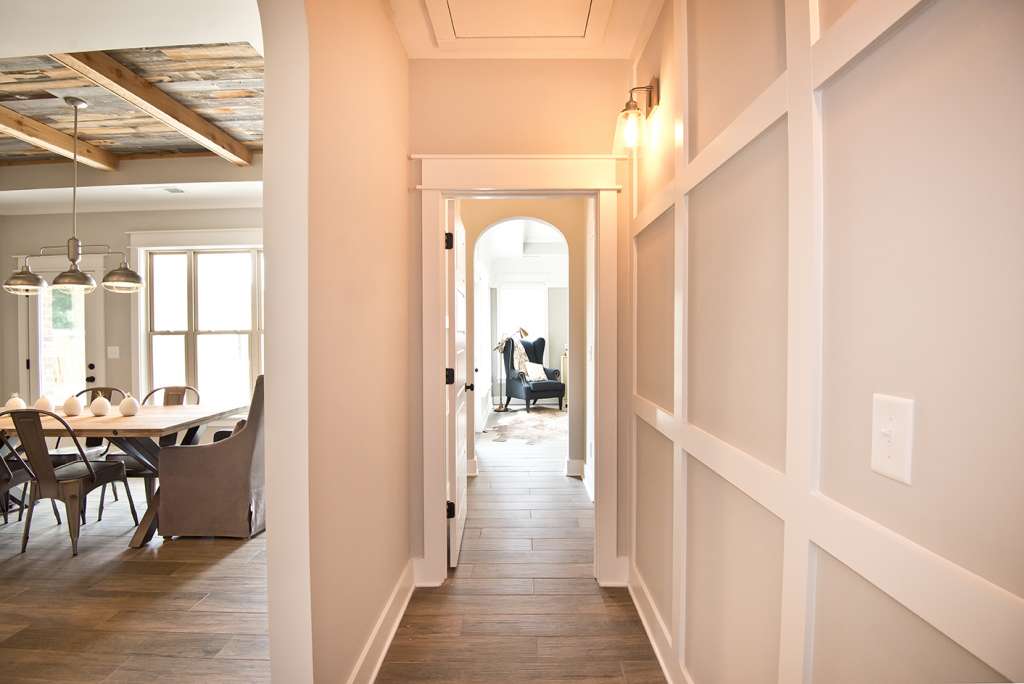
column 122, row 279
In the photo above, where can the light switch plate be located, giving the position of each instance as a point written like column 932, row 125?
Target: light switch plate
column 113, row 352
column 892, row 436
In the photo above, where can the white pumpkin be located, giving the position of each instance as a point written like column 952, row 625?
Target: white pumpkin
column 15, row 402
column 44, row 403
column 72, row 406
column 100, row 406
column 129, row 406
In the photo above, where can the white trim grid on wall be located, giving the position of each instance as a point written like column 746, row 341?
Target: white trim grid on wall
column 980, row 616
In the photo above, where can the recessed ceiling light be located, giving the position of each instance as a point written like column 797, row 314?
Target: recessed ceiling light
column 174, row 191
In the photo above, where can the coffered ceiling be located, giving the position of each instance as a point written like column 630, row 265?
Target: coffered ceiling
column 523, row 29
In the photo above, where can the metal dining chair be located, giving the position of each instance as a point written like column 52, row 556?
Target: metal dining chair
column 70, row 482
column 173, row 395
column 94, row 446
column 13, row 472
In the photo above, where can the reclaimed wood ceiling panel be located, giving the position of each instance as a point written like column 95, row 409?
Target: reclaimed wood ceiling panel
column 221, row 82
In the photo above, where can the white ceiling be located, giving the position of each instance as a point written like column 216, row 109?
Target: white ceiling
column 524, row 29
column 223, row 195
column 39, row 28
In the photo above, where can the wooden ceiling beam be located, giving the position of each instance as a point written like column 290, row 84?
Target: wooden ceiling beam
column 102, row 69
column 48, row 138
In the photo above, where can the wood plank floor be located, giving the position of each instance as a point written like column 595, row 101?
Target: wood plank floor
column 188, row 610
column 523, row 605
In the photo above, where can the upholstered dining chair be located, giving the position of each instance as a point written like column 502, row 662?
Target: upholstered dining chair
column 217, row 489
column 70, row 482
column 173, row 395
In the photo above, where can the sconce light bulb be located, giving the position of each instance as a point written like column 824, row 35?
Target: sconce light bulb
column 631, row 129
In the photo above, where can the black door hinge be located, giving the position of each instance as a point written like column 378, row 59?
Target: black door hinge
column 449, row 376
column 449, row 240
column 28, row 364
column 451, row 509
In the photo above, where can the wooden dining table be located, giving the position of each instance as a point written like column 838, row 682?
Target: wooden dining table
column 137, row 436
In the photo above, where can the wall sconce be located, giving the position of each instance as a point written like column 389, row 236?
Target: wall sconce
column 632, row 116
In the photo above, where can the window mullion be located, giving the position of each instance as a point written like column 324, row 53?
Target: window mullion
column 191, row 354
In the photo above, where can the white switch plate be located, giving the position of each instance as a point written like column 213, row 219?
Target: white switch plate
column 113, row 352
column 892, row 436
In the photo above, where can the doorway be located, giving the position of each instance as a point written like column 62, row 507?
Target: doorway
column 448, row 181
column 521, row 313
column 61, row 337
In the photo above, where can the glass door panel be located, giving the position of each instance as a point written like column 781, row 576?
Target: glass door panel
column 61, row 336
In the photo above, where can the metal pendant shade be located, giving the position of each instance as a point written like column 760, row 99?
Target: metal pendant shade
column 74, row 279
column 120, row 280
column 25, row 282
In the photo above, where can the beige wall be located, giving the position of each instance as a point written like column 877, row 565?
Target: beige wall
column 918, row 289
column 923, row 286
column 25, row 234
column 568, row 215
column 359, row 337
column 656, row 161
column 862, row 635
column 736, row 355
column 655, row 311
column 515, row 106
column 736, row 48
column 733, row 582
column 654, row 466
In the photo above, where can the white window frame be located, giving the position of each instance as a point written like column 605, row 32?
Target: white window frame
column 142, row 244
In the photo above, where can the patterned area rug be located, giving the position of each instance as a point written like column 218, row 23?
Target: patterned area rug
column 542, row 424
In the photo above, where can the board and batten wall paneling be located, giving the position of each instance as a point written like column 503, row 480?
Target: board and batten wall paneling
column 733, row 583
column 847, row 204
column 737, row 48
column 924, row 286
column 654, row 547
column 829, row 11
column 862, row 635
column 655, row 314
column 737, row 300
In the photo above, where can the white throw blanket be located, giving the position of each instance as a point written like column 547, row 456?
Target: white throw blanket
column 519, row 357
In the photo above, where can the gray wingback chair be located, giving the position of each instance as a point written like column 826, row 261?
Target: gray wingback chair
column 529, row 391
column 218, row 489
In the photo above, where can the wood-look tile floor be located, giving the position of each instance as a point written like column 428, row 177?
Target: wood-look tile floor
column 523, row 605
column 187, row 610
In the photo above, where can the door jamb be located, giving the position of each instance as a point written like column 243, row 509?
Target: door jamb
column 446, row 177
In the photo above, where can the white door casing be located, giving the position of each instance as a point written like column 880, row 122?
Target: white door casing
column 447, row 177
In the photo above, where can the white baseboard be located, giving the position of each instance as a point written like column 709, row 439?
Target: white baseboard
column 376, row 647
column 573, row 468
column 588, row 478
column 656, row 630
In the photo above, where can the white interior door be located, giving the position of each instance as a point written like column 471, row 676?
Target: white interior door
column 64, row 338
column 456, row 425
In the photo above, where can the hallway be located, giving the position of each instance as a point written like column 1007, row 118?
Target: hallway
column 523, row 605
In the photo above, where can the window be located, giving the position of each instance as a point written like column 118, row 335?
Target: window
column 205, row 321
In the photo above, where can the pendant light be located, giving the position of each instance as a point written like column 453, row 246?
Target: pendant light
column 120, row 280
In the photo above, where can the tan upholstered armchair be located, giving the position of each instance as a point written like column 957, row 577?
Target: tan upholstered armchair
column 216, row 490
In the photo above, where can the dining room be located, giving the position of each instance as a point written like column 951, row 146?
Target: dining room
column 132, row 485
